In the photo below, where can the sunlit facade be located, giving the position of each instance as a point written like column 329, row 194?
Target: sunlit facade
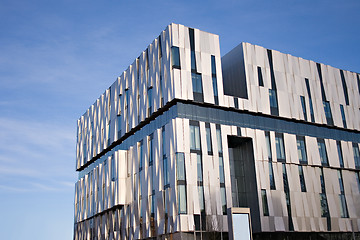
column 183, row 135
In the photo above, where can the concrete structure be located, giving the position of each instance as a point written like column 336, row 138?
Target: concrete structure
column 183, row 134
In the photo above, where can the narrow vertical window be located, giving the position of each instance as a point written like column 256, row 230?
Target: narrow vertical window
column 310, row 101
column 264, row 202
column 287, row 196
column 343, row 116
column 152, row 196
column 323, row 201
column 208, row 138
column 302, row 98
column 268, row 145
column 140, row 152
column 150, row 149
column 108, row 130
column 356, row 155
column 194, row 136
column 260, row 77
column 218, row 137
column 200, row 185
column 358, row 179
column 271, row 176
column 322, row 152
column 302, row 178
column 222, row 184
column 273, row 102
column 149, row 101
column 343, row 207
column 340, row 155
column 181, row 183
column 214, row 81
column 358, row 82
column 280, row 149
column 119, row 126
column 113, row 172
column 160, row 74
column 328, row 114
column 175, row 57
column 344, row 87
column 197, row 87
column 301, row 147
column 127, row 108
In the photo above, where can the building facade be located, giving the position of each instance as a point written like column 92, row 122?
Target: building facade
column 183, row 134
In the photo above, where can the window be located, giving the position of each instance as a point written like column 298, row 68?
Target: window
column 165, row 161
column 302, row 179
column 152, row 196
column 264, row 202
column 208, row 138
column 356, row 155
column 343, row 115
column 280, row 150
column 175, row 57
column 149, row 101
column 194, row 136
column 324, row 205
column 358, row 82
column 222, row 184
column 271, row 176
column 339, row 149
column 197, row 87
column 214, row 83
column 301, row 147
column 150, row 149
column 260, row 77
column 218, row 137
column 213, row 65
column 113, row 172
column 287, row 196
column 358, row 179
column 343, row 207
column 193, row 61
column 119, row 126
column 328, row 114
column 181, row 183
column 200, row 183
column 273, row 102
column 268, row 145
column 127, row 108
column 310, row 101
column 140, row 152
column 322, row 152
column 302, row 98
column 344, row 87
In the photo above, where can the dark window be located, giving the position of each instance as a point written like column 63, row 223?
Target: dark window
column 197, row 87
column 213, row 65
column 322, row 152
column 264, row 202
column 140, row 151
column 218, row 137
column 302, row 179
column 344, row 87
column 273, row 102
column 328, row 114
column 302, row 98
column 310, row 101
column 271, row 176
column 193, row 61
column 324, row 205
column 149, row 100
column 343, row 115
column 260, row 77
column 208, row 138
column 175, row 57
column 340, row 155
column 343, row 206
column 200, row 183
column 119, row 126
column 358, row 179
column 268, row 145
column 287, row 196
column 195, row 136
column 280, row 149
column 127, row 108
column 150, row 149
column 113, row 172
column 301, row 147
column 358, row 82
column 222, row 185
column 181, row 183
column 356, row 155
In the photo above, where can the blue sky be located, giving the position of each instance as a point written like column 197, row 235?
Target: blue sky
column 57, row 57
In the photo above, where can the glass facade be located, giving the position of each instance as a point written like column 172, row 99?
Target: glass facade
column 194, row 137
column 175, row 57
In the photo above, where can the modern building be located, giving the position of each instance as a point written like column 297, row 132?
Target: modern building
column 185, row 134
